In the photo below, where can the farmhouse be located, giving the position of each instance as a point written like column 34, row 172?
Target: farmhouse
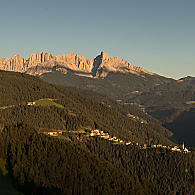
column 53, row 133
column 31, row 103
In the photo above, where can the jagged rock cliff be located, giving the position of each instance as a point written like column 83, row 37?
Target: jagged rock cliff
column 16, row 63
column 40, row 63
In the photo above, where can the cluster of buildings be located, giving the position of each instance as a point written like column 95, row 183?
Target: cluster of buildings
column 172, row 148
column 103, row 135
column 115, row 140
column 54, row 133
column 31, row 103
column 182, row 149
column 99, row 133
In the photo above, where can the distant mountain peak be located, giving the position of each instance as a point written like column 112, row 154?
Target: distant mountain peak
column 41, row 62
column 104, row 55
column 188, row 78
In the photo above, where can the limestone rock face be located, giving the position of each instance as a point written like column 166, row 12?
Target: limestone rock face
column 74, row 62
column 16, row 63
column 104, row 64
column 70, row 61
column 113, row 63
column 39, row 59
column 40, row 63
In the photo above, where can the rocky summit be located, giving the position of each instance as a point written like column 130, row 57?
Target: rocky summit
column 40, row 63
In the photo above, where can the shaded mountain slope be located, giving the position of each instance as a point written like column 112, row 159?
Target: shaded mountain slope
column 183, row 127
column 172, row 103
column 164, row 99
column 42, row 164
column 77, row 111
column 116, row 85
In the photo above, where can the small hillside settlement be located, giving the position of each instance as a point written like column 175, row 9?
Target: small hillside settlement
column 115, row 140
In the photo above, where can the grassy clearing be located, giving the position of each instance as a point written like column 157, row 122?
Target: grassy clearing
column 47, row 102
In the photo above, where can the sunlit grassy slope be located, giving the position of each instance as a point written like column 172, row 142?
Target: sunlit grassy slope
column 47, row 102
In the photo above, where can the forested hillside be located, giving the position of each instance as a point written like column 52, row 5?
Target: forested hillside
column 17, row 88
column 173, row 103
column 163, row 98
column 42, row 164
column 73, row 163
column 75, row 111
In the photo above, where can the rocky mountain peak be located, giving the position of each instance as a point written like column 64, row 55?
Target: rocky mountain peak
column 16, row 63
column 104, row 56
column 41, row 62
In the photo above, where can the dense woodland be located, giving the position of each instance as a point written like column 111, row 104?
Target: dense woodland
column 124, row 108
column 173, row 173
column 17, row 88
column 78, row 115
column 78, row 111
column 40, row 164
column 43, row 164
column 165, row 99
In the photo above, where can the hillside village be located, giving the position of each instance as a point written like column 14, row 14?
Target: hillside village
column 115, row 140
column 103, row 135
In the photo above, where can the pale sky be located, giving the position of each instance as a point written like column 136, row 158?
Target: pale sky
column 158, row 35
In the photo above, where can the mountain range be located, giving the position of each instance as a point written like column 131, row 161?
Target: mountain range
column 164, row 98
column 40, row 63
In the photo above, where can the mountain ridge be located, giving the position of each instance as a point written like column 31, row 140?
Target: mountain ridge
column 41, row 62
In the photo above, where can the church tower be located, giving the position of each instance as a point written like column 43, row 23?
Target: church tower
column 183, row 146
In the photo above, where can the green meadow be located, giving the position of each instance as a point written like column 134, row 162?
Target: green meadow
column 47, row 102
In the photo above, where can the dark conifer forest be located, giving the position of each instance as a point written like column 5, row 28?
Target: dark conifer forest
column 74, row 162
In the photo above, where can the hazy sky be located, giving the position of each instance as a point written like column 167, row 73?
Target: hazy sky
column 158, row 35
